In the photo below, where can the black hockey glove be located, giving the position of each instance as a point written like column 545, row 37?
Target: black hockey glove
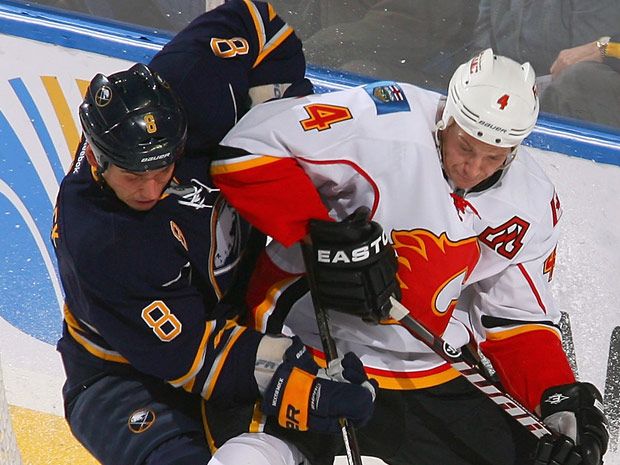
column 304, row 397
column 354, row 266
column 575, row 412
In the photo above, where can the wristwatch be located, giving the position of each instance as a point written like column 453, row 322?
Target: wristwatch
column 602, row 44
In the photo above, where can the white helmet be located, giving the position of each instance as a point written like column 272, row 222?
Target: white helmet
column 493, row 99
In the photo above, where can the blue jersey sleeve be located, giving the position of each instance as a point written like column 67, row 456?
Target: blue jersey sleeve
column 217, row 58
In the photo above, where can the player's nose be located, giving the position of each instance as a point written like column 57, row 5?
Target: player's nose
column 150, row 189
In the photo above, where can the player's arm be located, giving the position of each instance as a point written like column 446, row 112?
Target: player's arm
column 520, row 322
column 167, row 336
column 523, row 342
column 532, row 366
column 239, row 35
column 217, row 59
column 354, row 262
column 273, row 193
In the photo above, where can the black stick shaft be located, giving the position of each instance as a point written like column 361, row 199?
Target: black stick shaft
column 331, row 353
column 468, row 368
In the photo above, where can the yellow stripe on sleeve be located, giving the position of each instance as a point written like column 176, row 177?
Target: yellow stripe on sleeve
column 263, row 311
column 501, row 335
column 198, row 361
column 257, row 424
column 218, row 337
column 205, row 424
column 272, row 11
column 258, row 24
column 74, row 330
column 219, row 362
column 273, row 43
column 224, row 167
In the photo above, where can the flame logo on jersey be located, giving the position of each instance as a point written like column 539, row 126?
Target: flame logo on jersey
column 506, row 239
column 431, row 272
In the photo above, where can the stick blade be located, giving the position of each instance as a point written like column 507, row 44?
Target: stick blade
column 612, row 389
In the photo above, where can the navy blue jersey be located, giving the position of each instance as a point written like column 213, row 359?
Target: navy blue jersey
column 150, row 291
column 216, row 59
column 144, row 289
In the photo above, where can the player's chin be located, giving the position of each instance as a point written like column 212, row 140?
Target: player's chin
column 466, row 182
column 142, row 205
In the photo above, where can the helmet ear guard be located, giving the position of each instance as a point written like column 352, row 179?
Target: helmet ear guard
column 133, row 119
column 493, row 99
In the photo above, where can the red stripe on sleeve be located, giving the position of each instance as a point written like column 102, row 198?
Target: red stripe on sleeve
column 532, row 287
column 265, row 274
column 278, row 198
column 528, row 363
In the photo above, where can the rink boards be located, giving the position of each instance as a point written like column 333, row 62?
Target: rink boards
column 48, row 59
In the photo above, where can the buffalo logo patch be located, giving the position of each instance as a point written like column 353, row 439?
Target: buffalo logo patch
column 506, row 239
column 141, row 420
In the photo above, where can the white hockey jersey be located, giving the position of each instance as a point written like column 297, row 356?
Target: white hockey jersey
column 374, row 145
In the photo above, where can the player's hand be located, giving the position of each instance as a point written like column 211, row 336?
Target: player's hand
column 303, row 397
column 354, row 265
column 575, row 412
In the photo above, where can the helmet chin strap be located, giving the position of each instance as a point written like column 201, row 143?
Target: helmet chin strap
column 439, row 126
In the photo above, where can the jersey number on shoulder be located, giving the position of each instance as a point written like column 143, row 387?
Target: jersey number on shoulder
column 322, row 116
column 229, row 48
column 506, row 239
column 550, row 264
column 160, row 319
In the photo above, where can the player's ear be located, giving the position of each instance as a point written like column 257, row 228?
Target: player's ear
column 90, row 156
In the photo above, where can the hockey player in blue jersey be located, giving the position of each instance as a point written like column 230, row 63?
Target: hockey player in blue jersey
column 153, row 262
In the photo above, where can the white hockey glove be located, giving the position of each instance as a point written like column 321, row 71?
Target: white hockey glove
column 303, row 397
column 575, row 412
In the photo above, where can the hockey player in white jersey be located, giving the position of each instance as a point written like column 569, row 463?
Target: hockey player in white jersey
column 467, row 210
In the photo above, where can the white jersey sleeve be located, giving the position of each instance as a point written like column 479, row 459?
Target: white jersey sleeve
column 516, row 222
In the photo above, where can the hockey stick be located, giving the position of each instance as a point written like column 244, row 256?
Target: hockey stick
column 567, row 342
column 467, row 366
column 612, row 389
column 331, row 353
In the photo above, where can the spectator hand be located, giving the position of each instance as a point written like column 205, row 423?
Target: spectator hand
column 570, row 56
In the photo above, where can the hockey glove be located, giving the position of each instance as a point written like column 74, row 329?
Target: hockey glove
column 575, row 412
column 354, row 266
column 303, row 397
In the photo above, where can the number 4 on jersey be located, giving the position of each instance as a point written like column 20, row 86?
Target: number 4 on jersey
column 322, row 116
